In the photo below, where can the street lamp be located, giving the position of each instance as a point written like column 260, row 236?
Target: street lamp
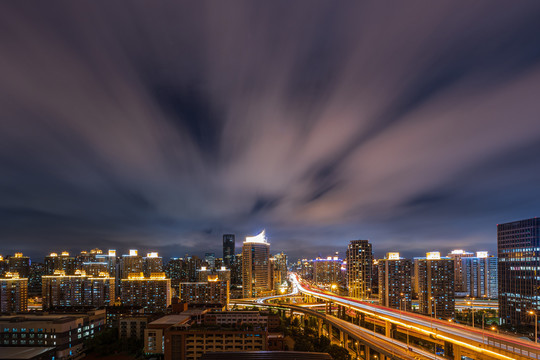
column 535, row 325
column 472, row 310
column 333, row 287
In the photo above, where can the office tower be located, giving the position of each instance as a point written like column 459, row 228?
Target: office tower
column 64, row 262
column 4, row 265
column 175, row 271
column 395, row 288
column 256, row 266
column 191, row 265
column 306, row 269
column 131, row 263
column 13, row 293
column 37, row 270
column 327, row 271
column 436, row 285
column 19, row 264
column 359, row 264
column 63, row 290
column 236, row 270
column 210, row 260
column 228, row 249
column 374, row 279
column 212, row 291
column 280, row 266
column 153, row 293
column 153, row 263
column 459, row 281
column 480, row 275
column 518, row 244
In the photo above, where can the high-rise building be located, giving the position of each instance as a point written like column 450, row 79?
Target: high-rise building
column 212, row 291
column 153, row 293
column 459, row 281
column 191, row 265
column 62, row 290
column 236, row 270
column 480, row 275
column 210, row 259
column 13, row 293
column 63, row 262
column 37, row 270
column 256, row 276
column 175, row 271
column 19, row 264
column 131, row 263
column 153, row 263
column 518, row 247
column 4, row 265
column 280, row 265
column 327, row 271
column 436, row 285
column 110, row 260
column 228, row 249
column 395, row 289
column 359, row 266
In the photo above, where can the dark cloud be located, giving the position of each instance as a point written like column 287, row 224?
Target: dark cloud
column 162, row 126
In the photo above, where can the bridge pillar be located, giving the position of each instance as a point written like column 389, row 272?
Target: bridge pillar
column 319, row 326
column 367, row 354
column 387, row 329
column 457, row 352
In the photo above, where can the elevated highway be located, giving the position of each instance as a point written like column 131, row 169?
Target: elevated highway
column 466, row 341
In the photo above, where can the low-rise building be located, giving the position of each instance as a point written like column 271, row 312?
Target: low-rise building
column 264, row 320
column 65, row 332
column 132, row 327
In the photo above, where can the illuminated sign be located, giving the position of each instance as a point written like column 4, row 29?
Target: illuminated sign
column 434, row 255
column 392, row 256
column 133, row 252
column 53, row 254
column 260, row 238
column 482, row 254
column 152, row 255
column 65, row 253
column 112, row 252
column 457, row 252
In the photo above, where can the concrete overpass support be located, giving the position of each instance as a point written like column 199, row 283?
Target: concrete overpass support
column 457, row 352
column 319, row 326
column 387, row 329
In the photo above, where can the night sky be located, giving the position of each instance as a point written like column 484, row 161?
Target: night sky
column 162, row 125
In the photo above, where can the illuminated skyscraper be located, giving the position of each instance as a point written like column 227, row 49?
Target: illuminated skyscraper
column 459, row 281
column 212, row 291
column 518, row 245
column 256, row 266
column 326, row 271
column 153, row 293
column 210, row 259
column 131, row 263
column 19, row 264
column 4, row 265
column 228, row 249
column 480, row 276
column 37, row 270
column 62, row 290
column 13, row 293
column 436, row 285
column 359, row 264
column 153, row 263
column 63, row 262
column 395, row 288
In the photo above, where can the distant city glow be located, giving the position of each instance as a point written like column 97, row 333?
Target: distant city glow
column 260, row 238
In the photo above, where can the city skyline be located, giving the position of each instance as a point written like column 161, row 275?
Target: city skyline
column 165, row 127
